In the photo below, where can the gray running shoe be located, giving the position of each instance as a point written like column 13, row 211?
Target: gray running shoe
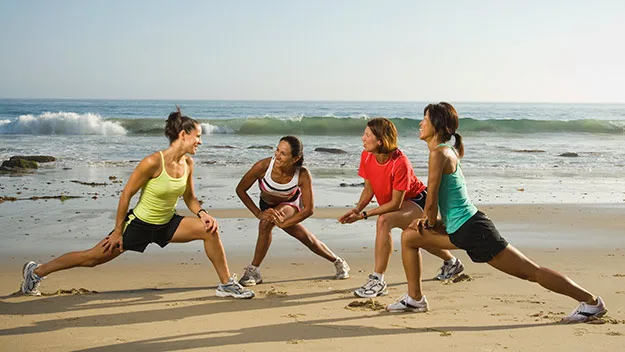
column 402, row 305
column 374, row 287
column 450, row 270
column 585, row 312
column 342, row 269
column 251, row 276
column 30, row 285
column 233, row 289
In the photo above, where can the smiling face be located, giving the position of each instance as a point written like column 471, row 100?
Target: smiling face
column 193, row 139
column 284, row 155
column 369, row 141
column 426, row 129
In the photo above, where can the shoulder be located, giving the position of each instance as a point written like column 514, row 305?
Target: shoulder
column 399, row 158
column 365, row 156
column 441, row 154
column 152, row 161
column 150, row 165
column 189, row 161
column 261, row 166
column 304, row 172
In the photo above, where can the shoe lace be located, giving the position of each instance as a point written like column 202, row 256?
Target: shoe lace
column 370, row 283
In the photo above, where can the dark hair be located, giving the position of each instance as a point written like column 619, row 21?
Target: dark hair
column 177, row 122
column 384, row 130
column 297, row 148
column 444, row 118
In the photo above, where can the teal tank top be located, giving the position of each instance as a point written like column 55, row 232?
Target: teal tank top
column 453, row 200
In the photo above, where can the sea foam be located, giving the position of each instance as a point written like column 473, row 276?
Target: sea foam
column 64, row 123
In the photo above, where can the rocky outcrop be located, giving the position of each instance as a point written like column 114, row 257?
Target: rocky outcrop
column 24, row 163
column 331, row 150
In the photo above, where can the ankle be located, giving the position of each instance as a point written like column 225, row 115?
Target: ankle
column 451, row 261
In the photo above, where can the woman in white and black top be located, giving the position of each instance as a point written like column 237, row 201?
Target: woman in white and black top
column 286, row 199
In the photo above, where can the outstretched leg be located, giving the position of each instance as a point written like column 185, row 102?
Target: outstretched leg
column 299, row 232
column 513, row 262
column 87, row 258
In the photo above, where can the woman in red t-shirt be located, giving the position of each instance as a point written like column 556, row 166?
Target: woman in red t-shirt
column 389, row 177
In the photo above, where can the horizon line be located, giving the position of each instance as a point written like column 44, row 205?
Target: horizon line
column 325, row 101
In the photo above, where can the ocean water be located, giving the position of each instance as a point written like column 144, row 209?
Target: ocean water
column 512, row 156
column 513, row 150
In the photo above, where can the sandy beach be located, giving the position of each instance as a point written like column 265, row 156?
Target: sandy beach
column 164, row 300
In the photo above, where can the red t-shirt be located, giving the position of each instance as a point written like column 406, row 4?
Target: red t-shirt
column 395, row 174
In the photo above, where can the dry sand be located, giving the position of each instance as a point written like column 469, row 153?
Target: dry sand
column 166, row 301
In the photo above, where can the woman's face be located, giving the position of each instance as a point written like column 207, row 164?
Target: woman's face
column 283, row 155
column 194, row 139
column 426, row 129
column 369, row 141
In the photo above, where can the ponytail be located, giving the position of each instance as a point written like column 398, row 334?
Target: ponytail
column 458, row 144
column 176, row 122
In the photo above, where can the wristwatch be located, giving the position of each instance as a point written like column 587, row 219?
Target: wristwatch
column 364, row 215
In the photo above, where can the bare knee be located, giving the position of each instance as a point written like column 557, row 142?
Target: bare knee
column 210, row 236
column 411, row 238
column 265, row 226
column 383, row 223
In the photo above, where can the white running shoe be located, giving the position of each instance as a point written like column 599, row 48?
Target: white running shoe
column 448, row 271
column 251, row 276
column 233, row 289
column 374, row 287
column 30, row 285
column 342, row 269
column 402, row 305
column 585, row 312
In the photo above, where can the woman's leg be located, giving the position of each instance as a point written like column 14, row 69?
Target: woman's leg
column 192, row 228
column 263, row 241
column 308, row 239
column 401, row 218
column 411, row 242
column 87, row 258
column 513, row 262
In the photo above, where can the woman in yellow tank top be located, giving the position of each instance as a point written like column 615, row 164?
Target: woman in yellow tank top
column 163, row 177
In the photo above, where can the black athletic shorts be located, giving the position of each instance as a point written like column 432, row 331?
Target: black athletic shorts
column 479, row 238
column 138, row 234
column 420, row 199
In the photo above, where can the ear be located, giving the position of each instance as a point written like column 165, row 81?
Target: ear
column 181, row 134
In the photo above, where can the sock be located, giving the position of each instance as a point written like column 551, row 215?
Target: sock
column 414, row 302
column 253, row 267
column 451, row 261
column 379, row 276
column 338, row 259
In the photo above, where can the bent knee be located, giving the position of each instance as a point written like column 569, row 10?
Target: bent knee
column 383, row 221
column 213, row 235
column 265, row 225
column 411, row 237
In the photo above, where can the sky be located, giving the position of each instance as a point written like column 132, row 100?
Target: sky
column 361, row 50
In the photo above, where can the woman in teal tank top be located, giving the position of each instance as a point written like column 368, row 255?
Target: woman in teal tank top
column 462, row 226
column 162, row 177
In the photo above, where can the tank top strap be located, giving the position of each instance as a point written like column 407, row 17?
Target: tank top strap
column 269, row 169
column 448, row 146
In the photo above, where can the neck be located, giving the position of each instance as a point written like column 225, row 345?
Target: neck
column 433, row 142
column 175, row 151
column 382, row 157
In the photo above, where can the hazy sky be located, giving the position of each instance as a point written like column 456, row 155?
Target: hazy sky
column 548, row 50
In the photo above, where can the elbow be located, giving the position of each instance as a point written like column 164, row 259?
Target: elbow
column 306, row 213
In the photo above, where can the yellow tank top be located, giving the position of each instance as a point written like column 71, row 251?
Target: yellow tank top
column 159, row 196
